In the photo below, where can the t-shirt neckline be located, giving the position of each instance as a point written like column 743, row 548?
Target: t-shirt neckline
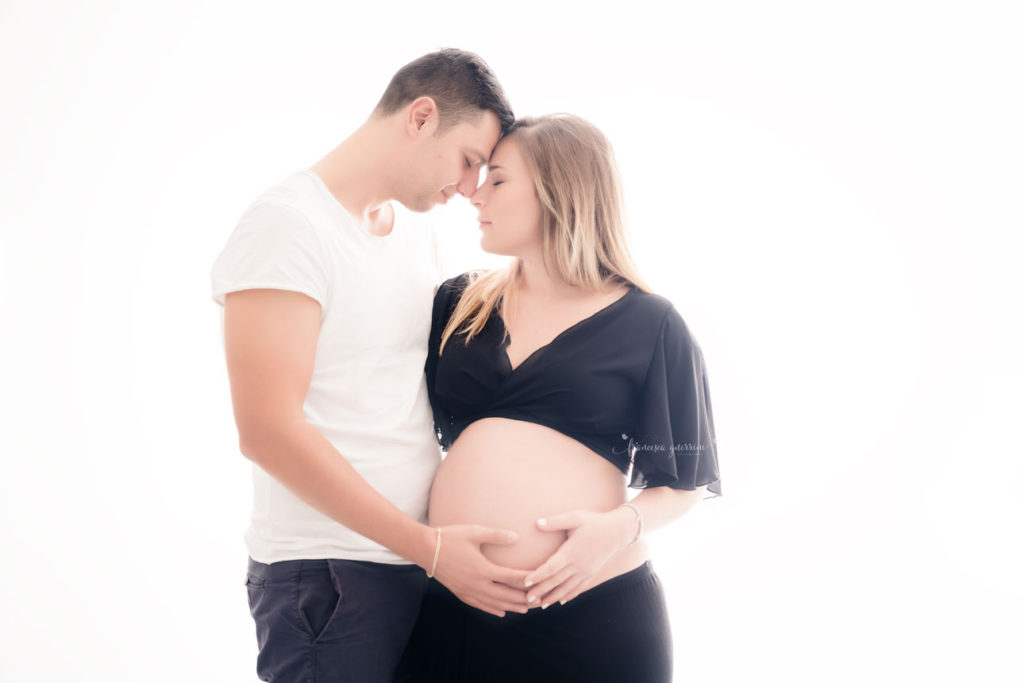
column 350, row 219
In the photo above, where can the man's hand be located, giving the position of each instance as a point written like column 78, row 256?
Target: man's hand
column 474, row 579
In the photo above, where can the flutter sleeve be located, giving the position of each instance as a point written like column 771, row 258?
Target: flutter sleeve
column 445, row 299
column 674, row 443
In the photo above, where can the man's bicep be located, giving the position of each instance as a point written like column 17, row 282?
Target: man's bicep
column 270, row 339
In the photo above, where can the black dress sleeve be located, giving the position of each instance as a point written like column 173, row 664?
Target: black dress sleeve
column 675, row 444
column 445, row 299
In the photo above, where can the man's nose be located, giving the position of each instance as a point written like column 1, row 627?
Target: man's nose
column 470, row 182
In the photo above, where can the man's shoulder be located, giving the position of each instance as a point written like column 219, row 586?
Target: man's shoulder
column 285, row 200
column 297, row 190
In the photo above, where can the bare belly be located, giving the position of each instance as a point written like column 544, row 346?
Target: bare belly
column 507, row 473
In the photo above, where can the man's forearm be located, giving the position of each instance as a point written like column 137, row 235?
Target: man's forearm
column 308, row 465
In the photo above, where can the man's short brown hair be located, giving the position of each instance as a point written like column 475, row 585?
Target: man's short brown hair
column 460, row 83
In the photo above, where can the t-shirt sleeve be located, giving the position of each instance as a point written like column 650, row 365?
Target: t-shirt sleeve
column 273, row 247
column 675, row 444
column 445, row 300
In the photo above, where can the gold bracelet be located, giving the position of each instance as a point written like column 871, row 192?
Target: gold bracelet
column 639, row 522
column 437, row 550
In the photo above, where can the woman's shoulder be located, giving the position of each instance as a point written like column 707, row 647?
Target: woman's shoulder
column 650, row 306
column 458, row 284
column 450, row 291
column 657, row 311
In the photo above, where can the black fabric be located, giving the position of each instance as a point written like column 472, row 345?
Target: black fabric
column 616, row 632
column 628, row 382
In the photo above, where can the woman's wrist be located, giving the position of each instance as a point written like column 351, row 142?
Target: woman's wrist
column 628, row 524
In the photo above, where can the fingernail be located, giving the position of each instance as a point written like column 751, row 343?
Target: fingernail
column 531, row 598
column 561, row 602
column 543, row 606
column 542, row 521
column 529, row 583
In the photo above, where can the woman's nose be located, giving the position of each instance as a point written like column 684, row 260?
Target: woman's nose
column 477, row 197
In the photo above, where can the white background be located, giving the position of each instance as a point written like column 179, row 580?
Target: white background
column 830, row 192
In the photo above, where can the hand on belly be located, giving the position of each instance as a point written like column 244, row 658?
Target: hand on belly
column 532, row 545
column 505, row 474
column 531, row 549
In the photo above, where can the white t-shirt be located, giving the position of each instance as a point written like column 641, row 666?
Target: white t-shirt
column 368, row 393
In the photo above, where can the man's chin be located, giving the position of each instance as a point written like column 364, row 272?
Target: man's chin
column 420, row 204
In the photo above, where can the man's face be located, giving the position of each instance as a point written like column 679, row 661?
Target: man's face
column 450, row 163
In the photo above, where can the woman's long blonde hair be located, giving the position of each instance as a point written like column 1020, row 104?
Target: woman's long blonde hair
column 584, row 232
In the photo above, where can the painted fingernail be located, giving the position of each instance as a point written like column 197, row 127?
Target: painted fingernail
column 543, row 606
column 542, row 521
column 529, row 583
column 531, row 598
column 561, row 602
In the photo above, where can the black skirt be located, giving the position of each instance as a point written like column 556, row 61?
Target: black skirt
column 616, row 631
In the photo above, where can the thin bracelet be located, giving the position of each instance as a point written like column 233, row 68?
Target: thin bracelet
column 437, row 550
column 639, row 522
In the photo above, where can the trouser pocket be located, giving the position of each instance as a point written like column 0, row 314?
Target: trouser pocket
column 317, row 597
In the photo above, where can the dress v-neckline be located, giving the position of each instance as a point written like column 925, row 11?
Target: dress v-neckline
column 507, row 338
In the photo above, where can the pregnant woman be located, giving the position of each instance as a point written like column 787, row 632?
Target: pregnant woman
column 556, row 383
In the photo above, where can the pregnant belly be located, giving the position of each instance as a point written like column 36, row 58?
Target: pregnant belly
column 508, row 473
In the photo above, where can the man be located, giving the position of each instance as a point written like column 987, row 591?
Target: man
column 327, row 302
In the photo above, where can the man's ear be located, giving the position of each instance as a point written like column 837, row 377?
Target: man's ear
column 422, row 117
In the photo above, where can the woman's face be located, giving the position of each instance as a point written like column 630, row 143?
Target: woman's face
column 510, row 213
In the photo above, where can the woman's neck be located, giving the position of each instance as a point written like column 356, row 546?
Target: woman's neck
column 533, row 279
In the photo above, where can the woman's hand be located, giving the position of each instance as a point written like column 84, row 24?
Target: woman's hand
column 593, row 537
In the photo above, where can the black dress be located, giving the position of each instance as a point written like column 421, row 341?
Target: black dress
column 628, row 382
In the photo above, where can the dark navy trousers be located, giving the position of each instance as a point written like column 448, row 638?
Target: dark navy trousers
column 337, row 621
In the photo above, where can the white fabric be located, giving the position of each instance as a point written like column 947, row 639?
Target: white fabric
column 368, row 394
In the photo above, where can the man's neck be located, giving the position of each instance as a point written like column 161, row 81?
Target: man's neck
column 354, row 173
